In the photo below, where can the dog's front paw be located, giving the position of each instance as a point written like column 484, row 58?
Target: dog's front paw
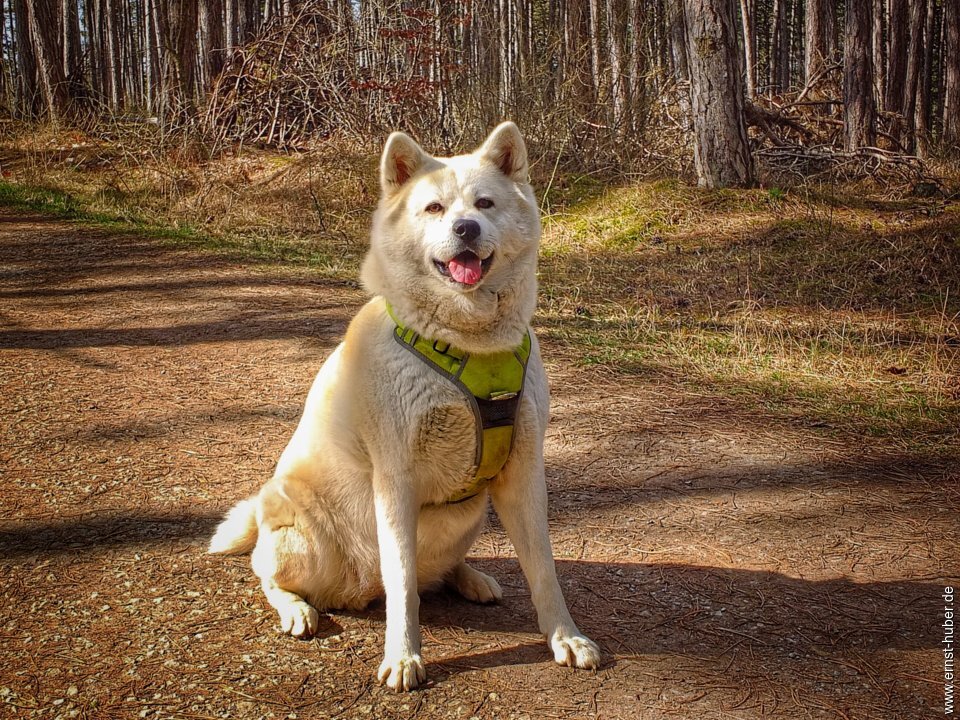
column 575, row 650
column 299, row 619
column 402, row 673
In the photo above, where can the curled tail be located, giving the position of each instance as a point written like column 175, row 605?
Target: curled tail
column 238, row 532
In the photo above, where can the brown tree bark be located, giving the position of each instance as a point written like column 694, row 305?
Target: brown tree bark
column 897, row 50
column 230, row 23
column 677, row 33
column 578, row 61
column 28, row 91
column 951, row 96
column 778, row 51
column 72, row 50
column 830, row 28
column 110, row 45
column 595, row 66
column 41, row 17
column 749, row 46
column 616, row 51
column 815, row 47
column 918, row 15
column 879, row 50
column 213, row 52
column 859, row 121
column 248, row 17
column 152, row 80
column 922, row 115
column 721, row 149
column 176, row 24
column 6, row 106
column 786, row 43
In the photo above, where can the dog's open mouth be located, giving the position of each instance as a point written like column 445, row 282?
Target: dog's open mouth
column 466, row 268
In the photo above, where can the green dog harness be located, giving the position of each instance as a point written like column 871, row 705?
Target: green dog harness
column 493, row 386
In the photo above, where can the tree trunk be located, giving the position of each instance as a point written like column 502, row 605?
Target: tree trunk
column 616, row 46
column 879, row 51
column 72, row 50
column 111, row 48
column 41, row 19
column 951, row 92
column 213, row 54
column 897, row 47
column 30, row 105
column 859, row 121
column 749, row 47
column 154, row 91
column 580, row 85
column 815, row 47
column 786, row 43
column 777, row 47
column 230, row 23
column 595, row 67
column 676, row 24
column 638, row 63
column 248, row 17
column 830, row 29
column 6, row 106
column 918, row 15
column 176, row 23
column 922, row 114
column 721, row 149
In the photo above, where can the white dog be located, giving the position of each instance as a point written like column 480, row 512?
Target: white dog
column 436, row 398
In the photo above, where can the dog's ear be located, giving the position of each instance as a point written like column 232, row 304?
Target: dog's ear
column 401, row 160
column 505, row 149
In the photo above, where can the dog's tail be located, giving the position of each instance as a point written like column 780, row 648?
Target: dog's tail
column 238, row 532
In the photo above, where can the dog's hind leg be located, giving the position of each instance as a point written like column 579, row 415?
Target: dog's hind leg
column 283, row 562
column 473, row 584
column 297, row 617
column 288, row 562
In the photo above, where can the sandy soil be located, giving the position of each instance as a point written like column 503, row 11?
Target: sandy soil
column 730, row 565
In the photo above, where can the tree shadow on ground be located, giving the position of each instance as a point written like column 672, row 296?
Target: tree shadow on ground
column 236, row 328
column 127, row 278
column 103, row 531
column 914, row 478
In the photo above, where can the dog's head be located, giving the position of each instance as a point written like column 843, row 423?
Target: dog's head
column 454, row 241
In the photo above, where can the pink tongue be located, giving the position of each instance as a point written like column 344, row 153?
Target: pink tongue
column 465, row 268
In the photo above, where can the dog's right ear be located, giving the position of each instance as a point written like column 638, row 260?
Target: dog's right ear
column 402, row 158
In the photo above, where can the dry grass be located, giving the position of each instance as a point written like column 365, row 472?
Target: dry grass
column 841, row 312
column 304, row 207
column 826, row 304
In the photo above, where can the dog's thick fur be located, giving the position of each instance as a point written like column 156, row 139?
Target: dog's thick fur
column 357, row 506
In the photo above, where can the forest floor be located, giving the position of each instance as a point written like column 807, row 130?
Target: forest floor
column 753, row 513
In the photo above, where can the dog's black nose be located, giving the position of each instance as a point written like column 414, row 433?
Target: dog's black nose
column 467, row 230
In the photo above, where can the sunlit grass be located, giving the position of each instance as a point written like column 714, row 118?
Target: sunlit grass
column 843, row 316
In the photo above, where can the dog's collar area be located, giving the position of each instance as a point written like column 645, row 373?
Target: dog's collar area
column 493, row 386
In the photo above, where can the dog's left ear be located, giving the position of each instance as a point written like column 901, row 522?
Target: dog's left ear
column 505, row 149
column 402, row 158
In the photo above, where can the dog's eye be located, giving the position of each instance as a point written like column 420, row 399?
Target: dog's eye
column 484, row 203
column 434, row 208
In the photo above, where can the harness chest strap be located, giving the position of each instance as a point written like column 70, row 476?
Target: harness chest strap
column 493, row 386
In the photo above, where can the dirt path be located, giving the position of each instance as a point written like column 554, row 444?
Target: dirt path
column 730, row 565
